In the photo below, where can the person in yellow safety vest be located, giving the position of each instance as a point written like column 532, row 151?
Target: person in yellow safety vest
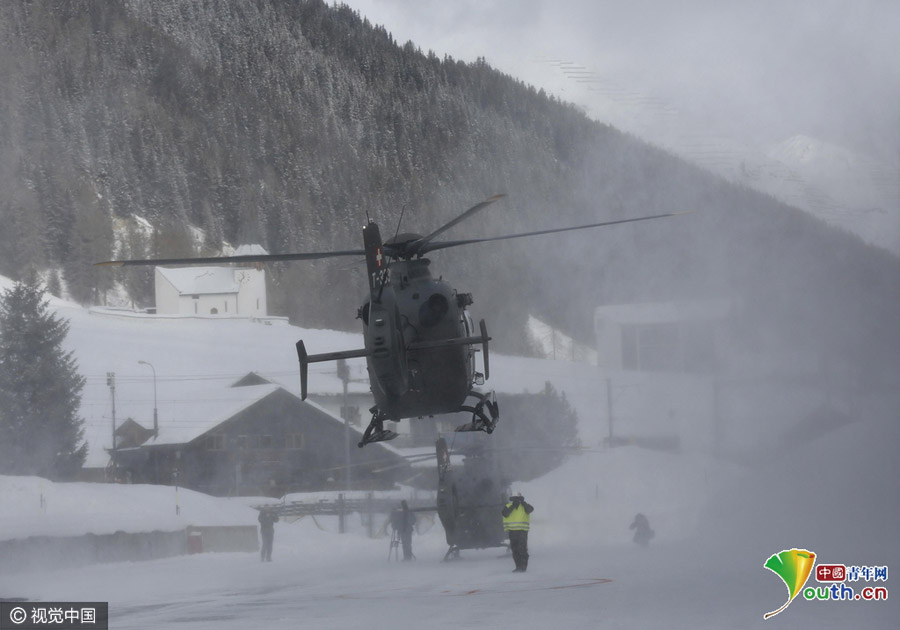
column 517, row 521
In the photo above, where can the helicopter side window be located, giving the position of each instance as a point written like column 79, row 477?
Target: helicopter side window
column 433, row 310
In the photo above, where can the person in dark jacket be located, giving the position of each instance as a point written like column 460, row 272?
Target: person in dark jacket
column 267, row 520
column 403, row 521
column 517, row 521
column 642, row 531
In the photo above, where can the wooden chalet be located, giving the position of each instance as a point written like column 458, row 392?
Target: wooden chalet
column 130, row 434
column 257, row 438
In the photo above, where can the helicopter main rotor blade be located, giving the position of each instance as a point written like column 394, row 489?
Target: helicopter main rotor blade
column 217, row 260
column 430, row 247
column 416, row 247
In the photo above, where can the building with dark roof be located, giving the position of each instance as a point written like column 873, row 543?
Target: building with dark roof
column 258, row 439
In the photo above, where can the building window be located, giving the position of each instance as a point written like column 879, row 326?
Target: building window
column 217, row 442
column 668, row 347
column 213, row 311
column 295, row 441
column 660, row 348
column 699, row 345
column 630, row 360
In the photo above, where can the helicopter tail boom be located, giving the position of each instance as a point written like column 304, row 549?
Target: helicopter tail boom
column 306, row 359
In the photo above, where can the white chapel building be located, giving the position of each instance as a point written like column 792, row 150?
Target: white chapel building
column 206, row 291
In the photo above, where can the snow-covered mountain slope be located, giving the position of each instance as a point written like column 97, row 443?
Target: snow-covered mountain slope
column 856, row 192
column 845, row 188
column 555, row 344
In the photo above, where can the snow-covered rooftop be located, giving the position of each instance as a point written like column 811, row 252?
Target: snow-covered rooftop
column 201, row 280
column 207, row 408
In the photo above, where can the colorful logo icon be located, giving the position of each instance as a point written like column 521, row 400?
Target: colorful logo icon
column 793, row 566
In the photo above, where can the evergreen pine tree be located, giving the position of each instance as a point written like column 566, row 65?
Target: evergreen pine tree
column 40, row 389
column 539, row 431
column 54, row 284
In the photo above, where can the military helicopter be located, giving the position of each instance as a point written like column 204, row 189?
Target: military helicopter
column 469, row 501
column 420, row 341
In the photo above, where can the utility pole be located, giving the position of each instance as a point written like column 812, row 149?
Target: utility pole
column 155, row 417
column 609, row 409
column 343, row 372
column 111, row 382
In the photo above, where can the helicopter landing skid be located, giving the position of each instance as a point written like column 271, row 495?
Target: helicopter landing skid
column 452, row 553
column 376, row 432
column 482, row 421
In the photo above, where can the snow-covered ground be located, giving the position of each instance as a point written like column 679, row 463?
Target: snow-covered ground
column 42, row 508
column 715, row 524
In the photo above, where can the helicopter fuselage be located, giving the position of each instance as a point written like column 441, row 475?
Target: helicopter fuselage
column 405, row 325
column 419, row 342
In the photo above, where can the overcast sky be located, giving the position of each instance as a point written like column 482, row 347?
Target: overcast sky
column 694, row 70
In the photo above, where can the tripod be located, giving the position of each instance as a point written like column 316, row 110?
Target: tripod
column 394, row 549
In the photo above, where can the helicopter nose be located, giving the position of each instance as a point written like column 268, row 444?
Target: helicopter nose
column 433, row 309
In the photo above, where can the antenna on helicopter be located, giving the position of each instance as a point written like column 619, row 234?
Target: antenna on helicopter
column 384, row 277
column 400, row 220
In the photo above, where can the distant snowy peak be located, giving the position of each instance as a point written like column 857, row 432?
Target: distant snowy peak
column 858, row 178
column 845, row 188
column 801, row 150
